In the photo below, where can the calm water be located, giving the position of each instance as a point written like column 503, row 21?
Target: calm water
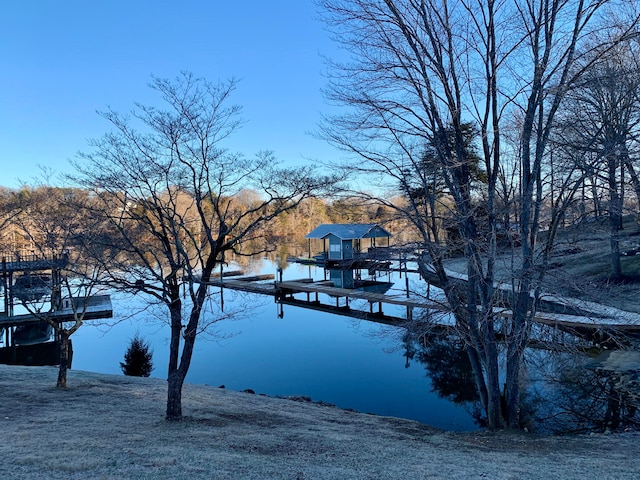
column 340, row 360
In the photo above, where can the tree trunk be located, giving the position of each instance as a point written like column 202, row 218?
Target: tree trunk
column 174, row 395
column 615, row 218
column 515, row 353
column 175, row 314
column 483, row 340
column 479, row 342
column 478, row 376
column 483, row 355
column 495, row 417
column 175, row 377
column 635, row 181
column 597, row 203
column 64, row 358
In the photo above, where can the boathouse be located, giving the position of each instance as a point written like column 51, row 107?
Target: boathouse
column 346, row 241
column 25, row 334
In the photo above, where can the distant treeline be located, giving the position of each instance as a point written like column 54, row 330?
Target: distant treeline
column 21, row 232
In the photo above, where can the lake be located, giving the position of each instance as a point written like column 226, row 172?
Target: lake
column 340, row 360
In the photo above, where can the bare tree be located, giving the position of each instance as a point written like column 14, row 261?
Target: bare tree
column 52, row 221
column 602, row 114
column 175, row 204
column 418, row 72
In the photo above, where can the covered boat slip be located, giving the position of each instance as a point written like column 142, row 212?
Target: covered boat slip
column 346, row 243
column 27, row 339
column 29, row 276
column 26, row 333
column 30, row 262
column 32, row 277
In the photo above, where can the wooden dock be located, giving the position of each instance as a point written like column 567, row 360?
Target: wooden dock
column 286, row 292
column 21, row 265
column 41, row 350
column 287, row 289
column 98, row 306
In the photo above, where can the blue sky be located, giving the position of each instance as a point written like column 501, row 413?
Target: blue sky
column 62, row 61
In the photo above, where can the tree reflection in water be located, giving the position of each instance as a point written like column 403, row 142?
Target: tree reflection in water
column 565, row 392
column 448, row 367
column 573, row 394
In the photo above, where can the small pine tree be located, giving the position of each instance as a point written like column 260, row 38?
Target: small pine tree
column 137, row 359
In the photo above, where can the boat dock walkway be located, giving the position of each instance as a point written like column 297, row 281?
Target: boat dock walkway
column 285, row 292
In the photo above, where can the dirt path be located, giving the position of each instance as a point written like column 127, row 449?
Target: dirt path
column 112, row 427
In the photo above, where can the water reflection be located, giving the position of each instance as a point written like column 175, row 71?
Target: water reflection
column 368, row 367
column 575, row 392
column 336, row 359
column 448, row 367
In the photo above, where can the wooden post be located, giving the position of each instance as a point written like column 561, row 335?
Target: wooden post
column 324, row 250
column 9, row 294
column 221, row 289
column 5, row 286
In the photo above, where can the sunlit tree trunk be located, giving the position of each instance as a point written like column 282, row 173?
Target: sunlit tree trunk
column 175, row 379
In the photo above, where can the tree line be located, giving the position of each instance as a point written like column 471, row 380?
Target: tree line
column 22, row 232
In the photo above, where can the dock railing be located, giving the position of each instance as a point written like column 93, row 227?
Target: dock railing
column 30, row 261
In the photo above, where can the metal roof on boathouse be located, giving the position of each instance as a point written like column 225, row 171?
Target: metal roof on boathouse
column 349, row 231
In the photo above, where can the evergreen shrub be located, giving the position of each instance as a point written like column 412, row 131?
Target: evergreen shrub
column 138, row 358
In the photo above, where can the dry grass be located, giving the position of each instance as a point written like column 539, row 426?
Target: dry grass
column 112, row 427
column 581, row 265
